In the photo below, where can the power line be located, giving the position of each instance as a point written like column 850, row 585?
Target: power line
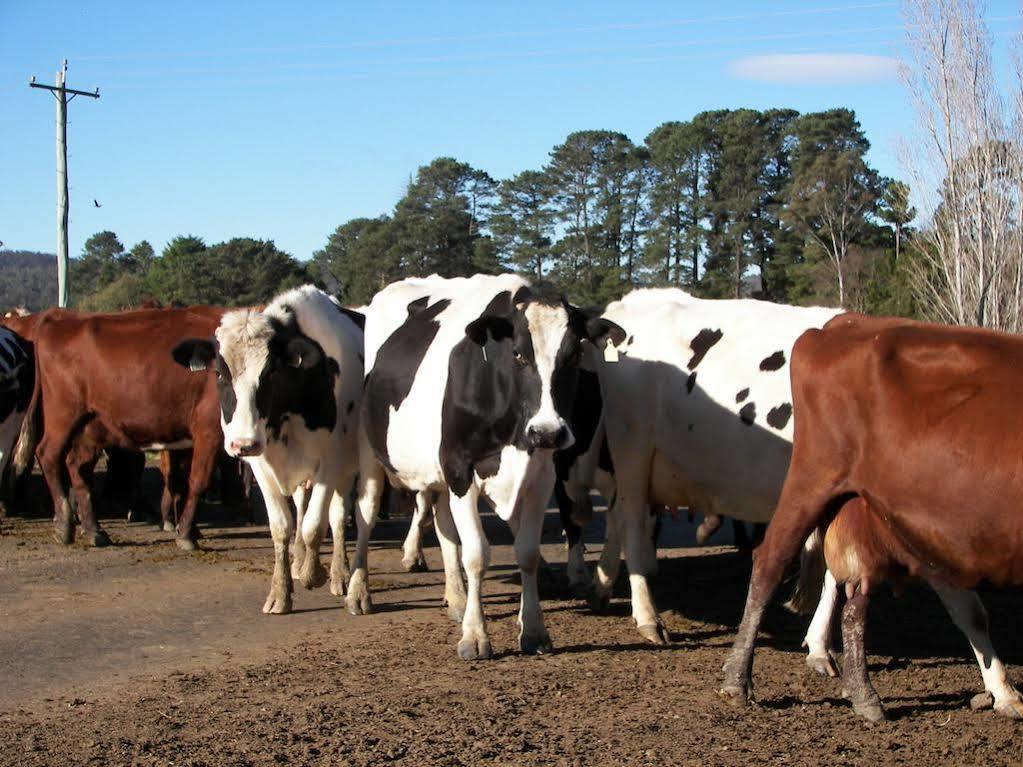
column 61, row 92
column 499, row 35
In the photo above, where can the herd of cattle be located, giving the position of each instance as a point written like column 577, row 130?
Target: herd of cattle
column 878, row 449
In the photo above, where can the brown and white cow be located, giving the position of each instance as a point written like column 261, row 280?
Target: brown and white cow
column 109, row 380
column 907, row 455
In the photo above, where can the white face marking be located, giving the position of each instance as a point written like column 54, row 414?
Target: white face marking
column 243, row 337
column 547, row 328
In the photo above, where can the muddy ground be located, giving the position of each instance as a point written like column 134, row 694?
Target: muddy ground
column 140, row 654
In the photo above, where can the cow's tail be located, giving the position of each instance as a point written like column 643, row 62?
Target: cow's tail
column 807, row 592
column 31, row 428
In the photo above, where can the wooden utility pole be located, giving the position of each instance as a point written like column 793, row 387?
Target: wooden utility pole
column 63, row 95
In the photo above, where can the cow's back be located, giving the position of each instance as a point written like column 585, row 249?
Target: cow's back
column 118, row 369
column 699, row 402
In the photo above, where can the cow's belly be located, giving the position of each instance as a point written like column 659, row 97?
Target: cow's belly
column 413, row 447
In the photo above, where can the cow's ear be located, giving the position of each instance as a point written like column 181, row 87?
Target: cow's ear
column 496, row 327
column 598, row 328
column 196, row 354
column 302, row 353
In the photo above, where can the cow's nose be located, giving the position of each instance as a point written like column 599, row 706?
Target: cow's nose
column 245, row 448
column 547, row 439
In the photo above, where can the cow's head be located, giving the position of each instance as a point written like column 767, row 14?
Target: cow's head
column 533, row 343
column 266, row 372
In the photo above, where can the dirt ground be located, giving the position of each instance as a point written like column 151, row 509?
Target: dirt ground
column 139, row 654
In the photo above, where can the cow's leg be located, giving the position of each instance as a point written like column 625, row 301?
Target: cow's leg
column 204, row 458
column 610, row 560
column 454, row 587
column 167, row 499
column 314, row 524
column 856, row 684
column 371, row 486
column 51, row 453
column 81, row 460
column 298, row 549
column 414, row 560
column 532, row 506
column 639, row 555
column 970, row 617
column 818, row 636
column 800, row 509
column 278, row 601
column 575, row 564
column 475, row 642
column 339, row 571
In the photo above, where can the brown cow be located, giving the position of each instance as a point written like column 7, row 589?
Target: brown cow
column 906, row 453
column 109, row 380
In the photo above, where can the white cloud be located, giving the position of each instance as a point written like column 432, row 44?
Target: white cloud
column 815, row 68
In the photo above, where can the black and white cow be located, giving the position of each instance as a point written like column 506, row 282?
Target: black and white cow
column 698, row 413
column 17, row 377
column 290, row 384
column 469, row 380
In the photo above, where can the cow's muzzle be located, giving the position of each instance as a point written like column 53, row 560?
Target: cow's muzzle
column 548, row 439
column 245, row 448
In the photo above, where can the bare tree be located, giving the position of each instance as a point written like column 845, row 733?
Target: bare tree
column 965, row 165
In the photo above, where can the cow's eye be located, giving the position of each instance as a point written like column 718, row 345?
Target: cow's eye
column 520, row 359
column 220, row 376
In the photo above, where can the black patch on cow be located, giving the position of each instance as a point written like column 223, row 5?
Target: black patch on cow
column 17, row 374
column 629, row 341
column 702, row 344
column 357, row 317
column 584, row 418
column 350, row 406
column 779, row 416
column 748, row 413
column 6, row 357
column 390, row 380
column 691, row 426
column 741, row 395
column 604, row 461
column 306, row 389
column 691, row 382
column 225, row 389
column 774, row 362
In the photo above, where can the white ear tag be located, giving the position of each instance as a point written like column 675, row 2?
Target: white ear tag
column 610, row 351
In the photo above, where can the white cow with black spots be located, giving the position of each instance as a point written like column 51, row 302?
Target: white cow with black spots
column 290, row 383
column 698, row 413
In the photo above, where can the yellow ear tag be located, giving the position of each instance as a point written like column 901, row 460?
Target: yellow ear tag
column 610, row 351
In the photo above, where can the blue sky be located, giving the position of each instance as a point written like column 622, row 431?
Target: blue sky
column 282, row 120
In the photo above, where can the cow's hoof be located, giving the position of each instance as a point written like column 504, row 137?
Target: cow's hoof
column 475, row 649
column 734, row 695
column 415, row 565
column 99, row 539
column 824, row 664
column 277, row 604
column 870, row 709
column 1010, row 709
column 313, row 574
column 654, row 633
column 168, row 527
column 186, row 543
column 338, row 583
column 598, row 600
column 358, row 601
column 536, row 645
column 64, row 534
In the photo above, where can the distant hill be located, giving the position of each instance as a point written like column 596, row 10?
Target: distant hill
column 27, row 279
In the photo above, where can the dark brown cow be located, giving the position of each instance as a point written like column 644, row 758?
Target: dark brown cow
column 907, row 454
column 109, row 380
